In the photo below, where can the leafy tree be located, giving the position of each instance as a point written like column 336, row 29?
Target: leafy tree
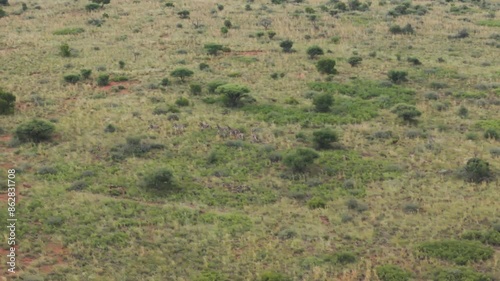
column 323, row 102
column 323, row 138
column 181, row 73
column 326, row 66
column 228, row 24
column 354, row 61
column 102, row 2
column 477, row 170
column 300, row 159
column 184, row 14
column 233, row 94
column 72, row 78
column 7, row 103
column 286, row 46
column 35, row 130
column 406, row 112
column 103, row 80
column 159, row 180
column 314, row 51
column 266, row 23
column 397, row 76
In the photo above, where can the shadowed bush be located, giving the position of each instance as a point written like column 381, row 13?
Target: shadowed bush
column 35, row 130
column 390, row 272
column 7, row 103
column 300, row 159
column 159, row 180
column 457, row 251
column 476, row 170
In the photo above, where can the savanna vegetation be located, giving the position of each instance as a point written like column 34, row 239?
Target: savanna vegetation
column 262, row 140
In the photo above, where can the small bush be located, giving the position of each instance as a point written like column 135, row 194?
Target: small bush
column 414, row 61
column 396, row 29
column 224, row 30
column 390, row 272
column 103, row 80
column 286, row 46
column 300, row 159
column 203, row 66
column 457, row 251
column 69, row 31
column 323, row 138
column 316, row 203
column 182, row 102
column 182, row 73
column 354, row 61
column 35, row 130
column 463, row 112
column 72, row 78
column 326, row 66
column 491, row 134
column 323, row 102
column 184, row 14
column 272, row 275
column 344, row 258
column 64, row 50
column 271, row 34
column 406, row 112
column 85, row 73
column 397, row 76
column 110, row 129
column 7, row 103
column 92, row 7
column 491, row 237
column 165, row 82
column 314, row 51
column 495, row 152
column 459, row 274
column 159, row 180
column 195, row 89
column 477, row 170
column 2, row 13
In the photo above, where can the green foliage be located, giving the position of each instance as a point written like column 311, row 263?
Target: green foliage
column 160, row 180
column 463, row 112
column 406, row 8
column 85, row 73
column 491, row 133
column 7, row 103
column 184, row 14
column 457, row 251
column 234, row 95
column 69, row 31
column 181, row 73
column 228, row 24
column 490, row 23
column 165, row 82
column 397, row 76
column 4, row 2
column 103, row 80
column 406, row 112
column 490, row 237
column 459, row 274
column 271, row 34
column 354, row 61
column 477, row 170
column 391, row 272
column 300, row 159
column 273, row 275
column 212, row 86
column 326, row 66
column 396, row 29
column 2, row 13
column 212, row 48
column 64, row 50
column 286, row 46
column 182, row 101
column 344, row 258
column 316, row 203
column 72, row 78
column 134, row 147
column 314, row 51
column 323, row 138
column 195, row 89
column 92, row 7
column 102, row 2
column 224, row 30
column 121, row 64
column 323, row 102
column 35, row 130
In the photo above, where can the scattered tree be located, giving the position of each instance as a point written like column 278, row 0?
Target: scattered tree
column 286, row 46
column 326, row 66
column 181, row 73
column 7, row 103
column 266, row 23
column 314, row 51
column 324, row 138
column 406, row 112
column 323, row 102
column 397, row 76
column 35, row 130
column 213, row 49
column 354, row 61
column 300, row 159
column 233, row 94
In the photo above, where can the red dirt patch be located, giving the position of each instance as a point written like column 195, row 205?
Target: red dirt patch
column 301, row 76
column 22, row 106
column 57, row 251
column 125, row 84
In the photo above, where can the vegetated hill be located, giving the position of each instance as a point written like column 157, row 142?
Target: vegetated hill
column 252, row 140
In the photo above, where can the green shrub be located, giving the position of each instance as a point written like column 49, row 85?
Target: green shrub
column 491, row 237
column 103, row 80
column 300, row 159
column 92, row 7
column 228, row 24
column 458, row 251
column 326, row 66
column 316, row 203
column 212, row 86
column 224, row 30
column 35, row 130
column 7, row 103
column 397, row 76
column 234, row 95
column 121, row 64
column 344, row 258
column 184, row 14
column 203, row 66
column 390, row 272
column 165, row 82
column 354, row 61
column 272, row 275
column 160, row 180
column 102, row 2
column 323, row 138
column 195, row 89
column 85, row 73
column 323, row 102
column 181, row 73
column 406, row 112
column 286, row 46
column 463, row 112
column 4, row 2
column 69, row 31
column 477, row 170
column 314, row 51
column 72, row 78
column 64, row 50
column 182, row 102
column 396, row 29
column 491, row 133
column 271, row 34
column 209, row 275
column 459, row 274
column 2, row 13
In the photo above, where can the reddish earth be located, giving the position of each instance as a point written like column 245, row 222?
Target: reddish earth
column 56, row 251
column 22, row 106
column 125, row 84
column 301, row 76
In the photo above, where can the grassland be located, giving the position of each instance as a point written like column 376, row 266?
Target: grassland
column 366, row 210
